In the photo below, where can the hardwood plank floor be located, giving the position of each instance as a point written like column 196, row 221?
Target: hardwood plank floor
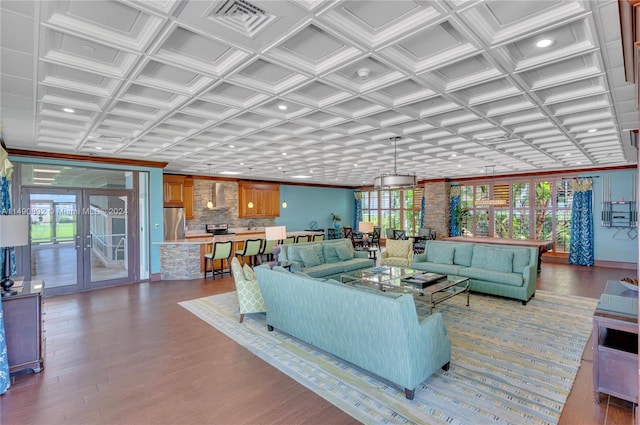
column 131, row 355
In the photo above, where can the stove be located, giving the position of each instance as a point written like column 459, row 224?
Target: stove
column 218, row 229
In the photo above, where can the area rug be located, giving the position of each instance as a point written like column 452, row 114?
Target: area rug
column 510, row 364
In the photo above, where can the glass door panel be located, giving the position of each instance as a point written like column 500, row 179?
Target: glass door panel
column 55, row 239
column 107, row 247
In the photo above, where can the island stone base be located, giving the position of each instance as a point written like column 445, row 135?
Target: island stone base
column 180, row 261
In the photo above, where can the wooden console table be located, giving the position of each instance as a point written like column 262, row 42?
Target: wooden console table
column 543, row 246
column 23, row 326
column 615, row 343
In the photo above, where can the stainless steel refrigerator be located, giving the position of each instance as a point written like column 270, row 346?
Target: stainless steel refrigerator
column 175, row 225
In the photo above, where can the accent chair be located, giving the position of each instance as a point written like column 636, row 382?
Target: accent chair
column 397, row 253
column 249, row 296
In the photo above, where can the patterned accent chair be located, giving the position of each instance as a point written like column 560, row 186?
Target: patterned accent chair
column 249, row 296
column 397, row 253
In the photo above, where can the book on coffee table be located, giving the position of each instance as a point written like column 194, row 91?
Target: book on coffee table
column 422, row 280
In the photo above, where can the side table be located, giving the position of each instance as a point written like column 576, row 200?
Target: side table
column 615, row 343
column 23, row 326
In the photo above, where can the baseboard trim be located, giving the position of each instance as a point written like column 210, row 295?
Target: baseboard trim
column 616, row 265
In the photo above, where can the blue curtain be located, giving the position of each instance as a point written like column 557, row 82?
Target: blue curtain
column 454, row 201
column 5, row 203
column 581, row 245
column 357, row 209
column 422, row 210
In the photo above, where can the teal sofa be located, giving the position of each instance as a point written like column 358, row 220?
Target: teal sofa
column 379, row 332
column 504, row 270
column 327, row 259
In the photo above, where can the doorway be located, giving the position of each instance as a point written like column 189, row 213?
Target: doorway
column 81, row 239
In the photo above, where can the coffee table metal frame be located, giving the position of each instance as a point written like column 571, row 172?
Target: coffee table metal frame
column 392, row 281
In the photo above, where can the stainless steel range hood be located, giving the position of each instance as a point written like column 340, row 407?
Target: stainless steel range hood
column 216, row 197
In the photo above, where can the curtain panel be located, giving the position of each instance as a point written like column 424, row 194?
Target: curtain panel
column 357, row 209
column 454, row 202
column 6, row 170
column 581, row 244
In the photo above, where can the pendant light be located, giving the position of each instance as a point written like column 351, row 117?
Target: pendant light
column 488, row 200
column 395, row 180
column 212, row 194
column 284, row 197
column 250, row 204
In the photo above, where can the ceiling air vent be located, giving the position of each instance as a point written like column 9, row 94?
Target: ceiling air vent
column 242, row 16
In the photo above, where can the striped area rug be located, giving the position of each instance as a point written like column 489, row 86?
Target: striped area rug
column 510, row 364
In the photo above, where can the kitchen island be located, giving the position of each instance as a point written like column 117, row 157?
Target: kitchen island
column 184, row 259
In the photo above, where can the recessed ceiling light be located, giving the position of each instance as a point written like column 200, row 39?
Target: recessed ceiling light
column 453, row 155
column 545, row 42
column 302, row 177
column 69, row 110
column 45, row 170
column 592, row 130
column 459, row 165
column 242, row 163
column 282, row 107
column 48, row 179
column 284, row 154
column 229, row 172
column 98, row 147
column 232, row 146
column 279, row 168
column 567, row 154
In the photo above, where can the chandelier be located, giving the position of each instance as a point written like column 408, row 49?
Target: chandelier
column 395, row 180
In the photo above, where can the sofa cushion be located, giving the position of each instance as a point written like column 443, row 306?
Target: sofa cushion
column 462, row 254
column 440, row 253
column 499, row 260
column 447, row 269
column 479, row 257
column 309, row 256
column 293, row 254
column 329, row 253
column 357, row 264
column 249, row 274
column 511, row 279
column 343, row 251
column 322, row 270
column 521, row 259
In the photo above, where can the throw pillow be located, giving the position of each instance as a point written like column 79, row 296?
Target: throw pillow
column 499, row 260
column 344, row 252
column 329, row 253
column 309, row 256
column 319, row 252
column 249, row 274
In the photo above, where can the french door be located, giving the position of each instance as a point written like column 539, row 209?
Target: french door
column 80, row 239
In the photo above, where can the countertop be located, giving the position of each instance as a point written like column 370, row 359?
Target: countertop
column 201, row 237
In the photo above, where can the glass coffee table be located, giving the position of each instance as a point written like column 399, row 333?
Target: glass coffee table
column 406, row 280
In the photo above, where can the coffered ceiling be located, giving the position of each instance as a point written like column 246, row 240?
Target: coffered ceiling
column 313, row 90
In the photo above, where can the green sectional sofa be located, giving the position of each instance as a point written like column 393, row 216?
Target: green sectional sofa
column 377, row 331
column 327, row 259
column 504, row 270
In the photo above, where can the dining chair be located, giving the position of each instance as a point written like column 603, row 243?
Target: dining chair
column 389, row 233
column 302, row 238
column 375, row 237
column 399, row 234
column 317, row 237
column 220, row 251
column 289, row 240
column 250, row 251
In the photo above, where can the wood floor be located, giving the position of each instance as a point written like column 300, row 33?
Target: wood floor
column 131, row 355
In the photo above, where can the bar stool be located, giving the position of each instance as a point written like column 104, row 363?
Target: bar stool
column 267, row 248
column 221, row 251
column 250, row 251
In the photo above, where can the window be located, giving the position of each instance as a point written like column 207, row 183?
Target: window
column 392, row 209
column 535, row 209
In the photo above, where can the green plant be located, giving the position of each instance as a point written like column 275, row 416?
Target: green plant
column 335, row 217
column 460, row 215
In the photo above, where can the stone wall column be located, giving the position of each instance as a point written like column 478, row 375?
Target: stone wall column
column 436, row 215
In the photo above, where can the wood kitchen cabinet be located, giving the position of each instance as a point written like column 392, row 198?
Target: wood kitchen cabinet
column 173, row 190
column 22, row 313
column 188, row 197
column 265, row 198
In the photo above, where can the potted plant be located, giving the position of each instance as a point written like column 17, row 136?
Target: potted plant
column 337, row 221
